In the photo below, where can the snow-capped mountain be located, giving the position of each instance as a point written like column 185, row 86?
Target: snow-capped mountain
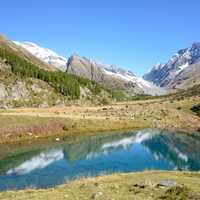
column 44, row 54
column 111, row 76
column 129, row 76
column 184, row 61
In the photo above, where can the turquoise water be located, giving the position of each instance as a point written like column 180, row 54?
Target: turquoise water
column 103, row 154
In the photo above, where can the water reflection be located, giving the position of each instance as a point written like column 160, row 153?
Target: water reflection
column 133, row 151
column 37, row 162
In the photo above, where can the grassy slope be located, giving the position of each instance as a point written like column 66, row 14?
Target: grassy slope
column 119, row 187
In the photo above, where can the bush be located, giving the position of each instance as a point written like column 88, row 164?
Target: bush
column 104, row 101
column 118, row 95
column 196, row 109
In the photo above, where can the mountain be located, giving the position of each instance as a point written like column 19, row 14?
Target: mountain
column 46, row 55
column 27, row 81
column 23, row 53
column 180, row 72
column 110, row 76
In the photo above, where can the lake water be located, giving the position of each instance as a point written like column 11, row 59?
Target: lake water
column 52, row 164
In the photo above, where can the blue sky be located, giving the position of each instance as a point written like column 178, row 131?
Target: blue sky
column 134, row 34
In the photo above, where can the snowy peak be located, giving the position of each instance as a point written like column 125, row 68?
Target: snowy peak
column 105, row 67
column 110, row 75
column 116, row 69
column 44, row 54
column 163, row 74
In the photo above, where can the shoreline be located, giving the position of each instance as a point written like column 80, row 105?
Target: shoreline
column 146, row 184
column 22, row 124
column 73, row 132
column 35, row 124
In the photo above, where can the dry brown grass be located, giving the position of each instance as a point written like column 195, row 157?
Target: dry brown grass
column 159, row 113
column 118, row 187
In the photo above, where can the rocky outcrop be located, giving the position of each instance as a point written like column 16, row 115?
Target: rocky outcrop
column 85, row 68
column 15, row 91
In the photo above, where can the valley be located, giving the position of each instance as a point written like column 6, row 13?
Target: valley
column 59, row 114
column 100, row 100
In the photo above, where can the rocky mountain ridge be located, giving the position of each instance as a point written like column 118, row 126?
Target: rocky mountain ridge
column 181, row 71
column 26, row 81
column 44, row 54
column 111, row 76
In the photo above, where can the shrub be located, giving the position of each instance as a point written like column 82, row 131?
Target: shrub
column 196, row 109
column 104, row 101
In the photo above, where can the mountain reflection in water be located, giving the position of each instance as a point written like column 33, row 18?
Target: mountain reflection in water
column 91, row 156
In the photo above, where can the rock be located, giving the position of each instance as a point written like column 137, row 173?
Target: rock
column 36, row 88
column 140, row 185
column 29, row 133
column 194, row 196
column 19, row 90
column 3, row 92
column 97, row 195
column 44, row 105
column 176, row 192
column 134, row 190
column 3, row 107
column 166, row 183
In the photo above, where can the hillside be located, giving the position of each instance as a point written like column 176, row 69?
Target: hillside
column 26, row 84
column 46, row 55
column 23, row 53
column 111, row 76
